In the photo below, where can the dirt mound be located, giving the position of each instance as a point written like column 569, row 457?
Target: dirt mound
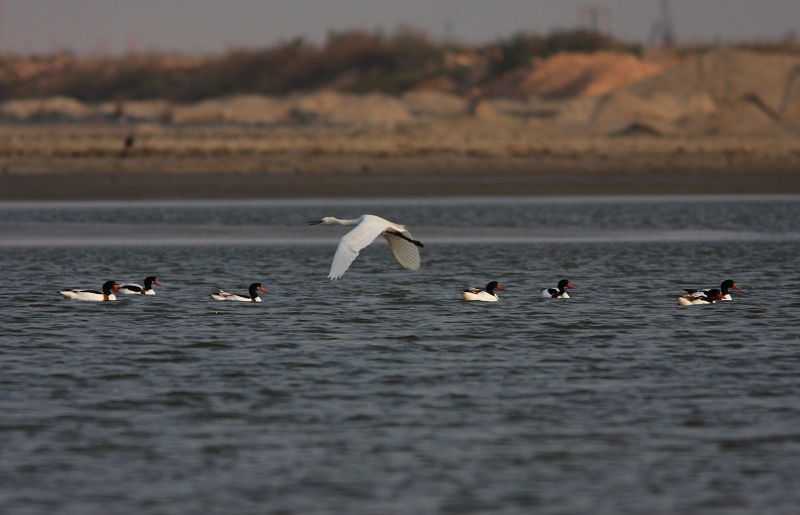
column 570, row 75
column 728, row 75
column 624, row 106
column 45, row 109
column 721, row 91
column 434, row 104
column 246, row 109
column 137, row 110
column 337, row 108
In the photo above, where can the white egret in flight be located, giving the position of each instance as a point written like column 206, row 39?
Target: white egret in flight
column 367, row 228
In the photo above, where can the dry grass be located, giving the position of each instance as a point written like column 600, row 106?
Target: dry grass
column 463, row 138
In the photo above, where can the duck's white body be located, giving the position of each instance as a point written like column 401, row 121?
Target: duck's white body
column 92, row 295
column 480, row 295
column 223, row 295
column 483, row 295
column 553, row 293
column 367, row 228
column 696, row 298
column 700, row 298
column 688, row 300
column 127, row 289
column 699, row 294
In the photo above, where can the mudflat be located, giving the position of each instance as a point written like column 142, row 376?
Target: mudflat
column 63, row 162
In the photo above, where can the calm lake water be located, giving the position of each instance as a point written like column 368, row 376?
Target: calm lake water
column 384, row 392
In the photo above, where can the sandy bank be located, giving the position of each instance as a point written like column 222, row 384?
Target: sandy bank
column 447, row 158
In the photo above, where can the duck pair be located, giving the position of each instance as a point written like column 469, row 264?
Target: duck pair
column 488, row 295
column 109, row 288
column 709, row 296
column 106, row 293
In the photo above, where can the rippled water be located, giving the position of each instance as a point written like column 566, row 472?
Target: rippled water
column 384, row 392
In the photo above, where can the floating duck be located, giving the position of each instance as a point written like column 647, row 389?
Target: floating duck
column 147, row 289
column 252, row 297
column 724, row 288
column 559, row 292
column 93, row 295
column 484, row 295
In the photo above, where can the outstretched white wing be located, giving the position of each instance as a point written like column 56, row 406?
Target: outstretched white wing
column 406, row 252
column 352, row 243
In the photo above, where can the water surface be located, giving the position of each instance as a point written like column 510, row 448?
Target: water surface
column 384, row 392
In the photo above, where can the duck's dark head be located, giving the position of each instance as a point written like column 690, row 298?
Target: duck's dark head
column 564, row 283
column 714, row 295
column 151, row 280
column 494, row 285
column 728, row 284
column 108, row 286
column 257, row 287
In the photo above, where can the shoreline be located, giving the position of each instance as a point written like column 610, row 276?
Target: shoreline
column 92, row 162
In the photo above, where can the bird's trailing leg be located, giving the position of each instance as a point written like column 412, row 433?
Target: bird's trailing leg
column 400, row 235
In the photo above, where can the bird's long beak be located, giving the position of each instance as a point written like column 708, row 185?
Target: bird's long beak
column 735, row 287
column 499, row 287
column 263, row 289
column 315, row 222
column 157, row 283
column 116, row 287
column 569, row 285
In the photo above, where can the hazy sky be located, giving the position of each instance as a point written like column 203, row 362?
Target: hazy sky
column 197, row 26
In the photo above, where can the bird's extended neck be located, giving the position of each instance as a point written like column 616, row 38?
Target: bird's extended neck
column 336, row 221
column 332, row 220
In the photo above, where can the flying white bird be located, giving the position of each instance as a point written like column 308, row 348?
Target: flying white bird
column 368, row 227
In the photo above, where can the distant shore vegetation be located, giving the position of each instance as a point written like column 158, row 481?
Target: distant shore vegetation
column 349, row 62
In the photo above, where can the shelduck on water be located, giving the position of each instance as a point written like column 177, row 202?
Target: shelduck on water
column 93, row 295
column 251, row 297
column 559, row 292
column 484, row 295
column 147, row 289
column 724, row 289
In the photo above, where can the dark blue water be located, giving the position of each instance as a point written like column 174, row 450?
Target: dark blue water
column 384, row 392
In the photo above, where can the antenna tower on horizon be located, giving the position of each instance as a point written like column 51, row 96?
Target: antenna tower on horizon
column 589, row 17
column 661, row 32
